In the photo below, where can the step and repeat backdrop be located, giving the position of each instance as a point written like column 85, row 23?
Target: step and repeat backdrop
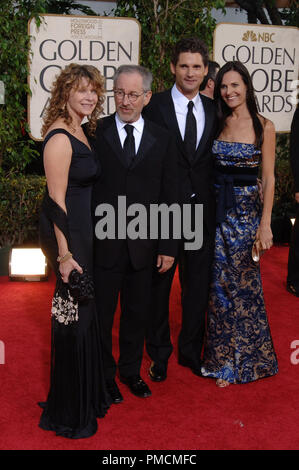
column 60, row 40
column 269, row 52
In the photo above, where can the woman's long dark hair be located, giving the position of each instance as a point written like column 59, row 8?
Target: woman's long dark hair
column 223, row 111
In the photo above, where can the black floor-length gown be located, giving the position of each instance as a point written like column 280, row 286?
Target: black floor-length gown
column 77, row 394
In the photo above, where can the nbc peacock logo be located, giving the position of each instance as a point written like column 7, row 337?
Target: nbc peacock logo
column 258, row 37
column 249, row 36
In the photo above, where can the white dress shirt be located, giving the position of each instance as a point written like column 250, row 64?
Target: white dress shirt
column 181, row 108
column 137, row 133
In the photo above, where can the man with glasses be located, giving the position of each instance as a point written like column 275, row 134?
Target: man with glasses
column 136, row 160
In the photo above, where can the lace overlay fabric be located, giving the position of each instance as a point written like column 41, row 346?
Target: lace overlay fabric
column 236, row 154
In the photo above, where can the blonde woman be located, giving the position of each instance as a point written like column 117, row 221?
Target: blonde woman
column 77, row 394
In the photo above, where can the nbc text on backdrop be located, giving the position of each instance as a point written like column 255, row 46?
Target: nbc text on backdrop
column 271, row 54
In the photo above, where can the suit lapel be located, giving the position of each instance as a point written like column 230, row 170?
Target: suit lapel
column 111, row 135
column 168, row 112
column 147, row 141
column 207, row 128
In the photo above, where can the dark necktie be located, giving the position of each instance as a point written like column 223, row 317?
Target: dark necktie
column 190, row 131
column 129, row 144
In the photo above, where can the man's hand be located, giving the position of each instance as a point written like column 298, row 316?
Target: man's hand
column 164, row 263
column 297, row 197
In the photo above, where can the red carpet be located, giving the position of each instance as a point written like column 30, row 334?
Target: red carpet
column 185, row 412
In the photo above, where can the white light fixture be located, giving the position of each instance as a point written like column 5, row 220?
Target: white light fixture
column 27, row 264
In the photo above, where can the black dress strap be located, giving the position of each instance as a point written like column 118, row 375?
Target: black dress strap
column 59, row 130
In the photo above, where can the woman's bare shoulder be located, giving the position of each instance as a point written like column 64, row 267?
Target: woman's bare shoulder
column 267, row 124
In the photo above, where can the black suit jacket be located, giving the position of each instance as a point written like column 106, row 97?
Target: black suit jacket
column 294, row 149
column 195, row 176
column 151, row 179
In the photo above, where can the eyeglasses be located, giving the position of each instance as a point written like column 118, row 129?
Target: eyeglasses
column 132, row 97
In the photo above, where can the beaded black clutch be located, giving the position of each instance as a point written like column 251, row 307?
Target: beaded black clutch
column 81, row 285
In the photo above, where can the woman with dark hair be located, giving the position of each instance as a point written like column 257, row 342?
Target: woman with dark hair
column 77, row 393
column 238, row 345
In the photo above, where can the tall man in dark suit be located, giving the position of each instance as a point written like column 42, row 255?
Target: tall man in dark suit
column 138, row 166
column 293, row 261
column 191, row 119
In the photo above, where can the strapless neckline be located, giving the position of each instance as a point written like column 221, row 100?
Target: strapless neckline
column 230, row 142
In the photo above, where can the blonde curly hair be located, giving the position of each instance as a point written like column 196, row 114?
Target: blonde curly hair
column 70, row 78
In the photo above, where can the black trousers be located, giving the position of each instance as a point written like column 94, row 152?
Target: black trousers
column 293, row 261
column 134, row 288
column 195, row 277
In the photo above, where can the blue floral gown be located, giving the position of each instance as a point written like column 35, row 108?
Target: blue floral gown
column 238, row 343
